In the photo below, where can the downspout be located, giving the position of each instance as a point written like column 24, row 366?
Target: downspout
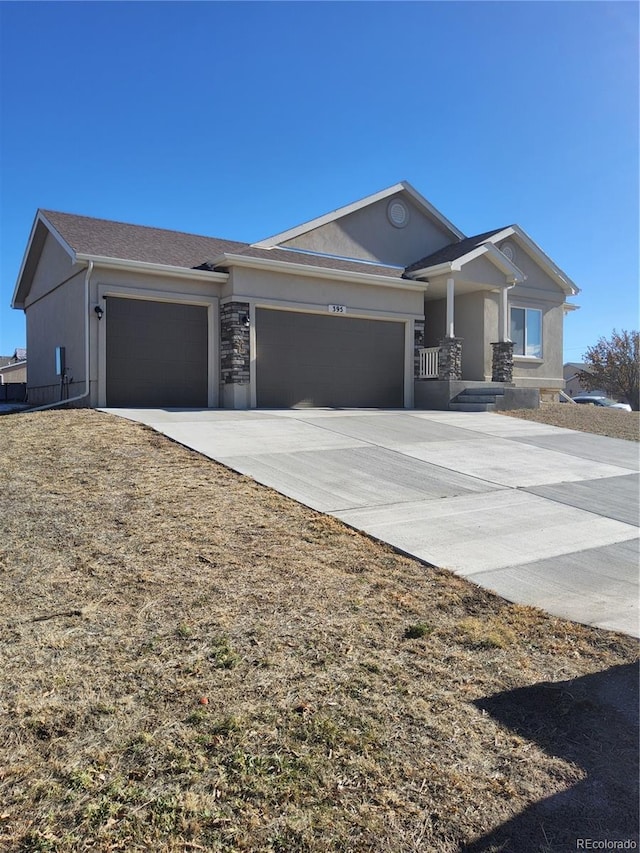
column 85, row 393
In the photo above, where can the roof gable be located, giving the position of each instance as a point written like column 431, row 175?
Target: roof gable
column 452, row 252
column 87, row 238
column 540, row 258
column 391, row 228
column 340, row 212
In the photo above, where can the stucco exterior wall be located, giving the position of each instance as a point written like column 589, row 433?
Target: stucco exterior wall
column 435, row 321
column 482, row 271
column 53, row 268
column 547, row 371
column 304, row 292
column 57, row 320
column 368, row 234
column 470, row 326
column 542, row 292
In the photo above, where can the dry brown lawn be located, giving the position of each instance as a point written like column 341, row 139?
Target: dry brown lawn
column 614, row 423
column 191, row 661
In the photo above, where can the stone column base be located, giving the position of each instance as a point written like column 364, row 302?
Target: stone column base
column 502, row 361
column 450, row 359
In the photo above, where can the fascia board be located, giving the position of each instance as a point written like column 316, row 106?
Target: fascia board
column 297, row 230
column 567, row 307
column 503, row 263
column 271, row 242
column 147, row 267
column 437, row 269
column 544, row 261
column 494, row 255
column 40, row 218
column 230, row 260
column 422, row 202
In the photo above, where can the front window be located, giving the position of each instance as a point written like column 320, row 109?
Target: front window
column 526, row 332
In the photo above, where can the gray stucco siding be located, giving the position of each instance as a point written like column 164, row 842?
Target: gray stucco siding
column 368, row 234
column 57, row 320
column 54, row 267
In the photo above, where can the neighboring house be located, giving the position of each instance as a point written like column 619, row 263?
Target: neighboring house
column 375, row 304
column 570, row 372
column 13, row 368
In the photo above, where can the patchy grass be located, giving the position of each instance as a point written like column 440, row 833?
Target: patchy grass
column 191, row 661
column 614, row 423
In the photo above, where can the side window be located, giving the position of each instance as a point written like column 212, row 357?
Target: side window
column 526, row 332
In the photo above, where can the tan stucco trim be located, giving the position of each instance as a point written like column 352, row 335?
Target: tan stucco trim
column 230, row 260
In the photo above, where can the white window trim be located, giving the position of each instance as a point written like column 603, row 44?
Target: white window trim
column 524, row 356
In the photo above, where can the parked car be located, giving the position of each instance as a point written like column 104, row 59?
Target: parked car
column 607, row 402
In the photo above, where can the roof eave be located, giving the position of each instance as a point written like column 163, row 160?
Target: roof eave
column 231, row 260
column 149, row 267
column 494, row 255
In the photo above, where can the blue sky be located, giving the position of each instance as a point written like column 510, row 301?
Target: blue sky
column 239, row 120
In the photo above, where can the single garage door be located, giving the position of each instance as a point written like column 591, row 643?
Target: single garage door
column 157, row 353
column 320, row 360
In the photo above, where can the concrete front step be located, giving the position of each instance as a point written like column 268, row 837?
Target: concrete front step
column 482, row 391
column 476, row 398
column 479, row 398
column 471, row 407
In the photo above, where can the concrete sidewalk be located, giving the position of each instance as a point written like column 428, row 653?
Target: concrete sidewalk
column 541, row 515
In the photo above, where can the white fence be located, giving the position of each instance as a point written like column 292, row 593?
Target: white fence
column 429, row 363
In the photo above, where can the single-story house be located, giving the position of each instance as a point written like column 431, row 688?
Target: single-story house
column 570, row 371
column 372, row 305
column 13, row 368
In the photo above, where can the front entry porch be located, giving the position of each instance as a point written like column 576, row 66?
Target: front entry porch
column 460, row 395
column 474, row 309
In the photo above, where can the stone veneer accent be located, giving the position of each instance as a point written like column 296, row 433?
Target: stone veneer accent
column 418, row 343
column 234, row 343
column 450, row 359
column 502, row 362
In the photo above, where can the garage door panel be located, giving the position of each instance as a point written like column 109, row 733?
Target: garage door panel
column 319, row 360
column 157, row 353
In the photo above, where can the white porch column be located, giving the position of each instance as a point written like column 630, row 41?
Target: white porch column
column 503, row 318
column 450, row 298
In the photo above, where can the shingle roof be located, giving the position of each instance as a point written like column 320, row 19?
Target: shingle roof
column 105, row 238
column 453, row 251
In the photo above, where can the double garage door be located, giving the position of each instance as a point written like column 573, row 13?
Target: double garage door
column 157, row 355
column 327, row 360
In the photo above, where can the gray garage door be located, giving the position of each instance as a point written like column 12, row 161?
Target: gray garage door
column 320, row 360
column 157, row 353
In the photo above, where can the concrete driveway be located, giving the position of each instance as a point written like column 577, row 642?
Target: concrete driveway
column 541, row 515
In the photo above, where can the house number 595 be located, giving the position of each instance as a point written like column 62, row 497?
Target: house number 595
column 337, row 309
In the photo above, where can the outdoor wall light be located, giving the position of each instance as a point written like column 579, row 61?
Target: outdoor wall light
column 246, row 322
column 99, row 312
